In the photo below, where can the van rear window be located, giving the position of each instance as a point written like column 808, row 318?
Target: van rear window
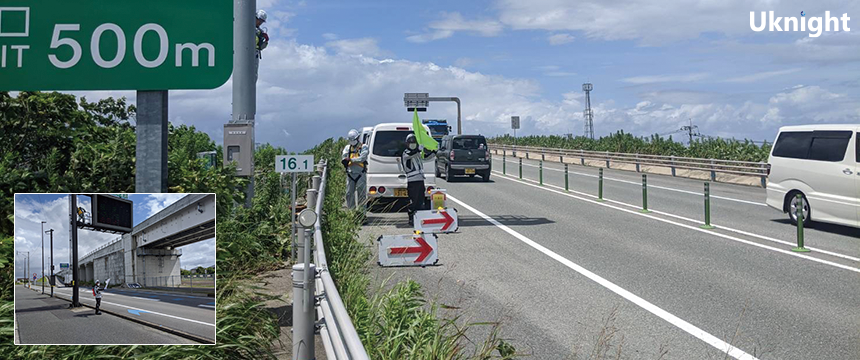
column 815, row 145
column 469, row 143
column 389, row 143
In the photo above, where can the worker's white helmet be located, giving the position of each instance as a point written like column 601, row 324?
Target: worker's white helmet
column 353, row 135
column 261, row 15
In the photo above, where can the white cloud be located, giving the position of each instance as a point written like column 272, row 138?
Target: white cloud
column 28, row 217
column 650, row 79
column 329, row 36
column 453, row 22
column 652, row 22
column 157, row 202
column 362, row 46
column 761, row 76
column 560, row 39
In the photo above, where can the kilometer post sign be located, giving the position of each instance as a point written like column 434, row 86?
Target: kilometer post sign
column 115, row 45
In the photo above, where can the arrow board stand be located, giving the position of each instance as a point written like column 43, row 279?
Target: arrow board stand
column 437, row 221
column 408, row 250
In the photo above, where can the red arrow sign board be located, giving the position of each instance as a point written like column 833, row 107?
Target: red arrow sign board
column 407, row 250
column 436, row 221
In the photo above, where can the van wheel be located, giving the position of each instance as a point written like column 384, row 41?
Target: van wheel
column 792, row 204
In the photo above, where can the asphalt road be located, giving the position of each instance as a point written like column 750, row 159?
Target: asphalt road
column 187, row 313
column 43, row 320
column 559, row 269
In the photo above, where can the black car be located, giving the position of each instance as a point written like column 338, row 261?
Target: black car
column 463, row 155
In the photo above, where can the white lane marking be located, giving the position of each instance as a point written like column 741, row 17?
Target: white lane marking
column 652, row 186
column 742, row 232
column 207, row 306
column 140, row 298
column 663, row 314
column 695, row 228
column 154, row 312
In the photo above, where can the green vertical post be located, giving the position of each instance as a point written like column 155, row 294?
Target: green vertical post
column 504, row 163
column 540, row 173
column 566, row 188
column 644, row 194
column 600, row 185
column 799, row 214
column 707, row 207
column 521, row 168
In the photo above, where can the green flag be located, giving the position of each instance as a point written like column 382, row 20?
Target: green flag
column 424, row 139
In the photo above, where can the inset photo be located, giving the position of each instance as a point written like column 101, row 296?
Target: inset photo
column 114, row 269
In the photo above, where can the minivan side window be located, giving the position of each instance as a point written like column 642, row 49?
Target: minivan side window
column 813, row 145
column 829, row 145
column 793, row 144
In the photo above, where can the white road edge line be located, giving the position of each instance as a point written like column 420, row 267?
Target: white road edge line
column 207, row 306
column 695, row 228
column 650, row 186
column 663, row 314
column 742, row 232
column 156, row 313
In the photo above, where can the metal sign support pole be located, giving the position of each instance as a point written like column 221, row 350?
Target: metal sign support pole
column 293, row 232
column 51, row 280
column 73, row 235
column 151, row 149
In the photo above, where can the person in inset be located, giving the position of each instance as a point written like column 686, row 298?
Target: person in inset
column 412, row 159
column 97, row 292
column 354, row 160
column 261, row 41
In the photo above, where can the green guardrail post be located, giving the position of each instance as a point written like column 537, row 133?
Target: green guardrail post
column 540, row 173
column 707, row 207
column 566, row 187
column 504, row 163
column 600, row 185
column 799, row 214
column 644, row 194
column 521, row 168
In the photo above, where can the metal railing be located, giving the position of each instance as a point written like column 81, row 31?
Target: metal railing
column 336, row 329
column 114, row 241
column 713, row 166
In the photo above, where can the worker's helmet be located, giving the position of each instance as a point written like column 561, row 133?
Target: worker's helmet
column 411, row 141
column 353, row 135
column 97, row 282
column 261, row 15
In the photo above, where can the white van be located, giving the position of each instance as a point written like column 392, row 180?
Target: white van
column 822, row 164
column 385, row 177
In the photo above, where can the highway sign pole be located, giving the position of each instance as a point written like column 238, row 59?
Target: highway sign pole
column 600, row 185
column 799, row 214
column 293, row 231
column 504, row 162
column 707, row 207
column 73, row 235
column 294, row 164
column 151, row 152
column 645, row 194
column 42, row 278
column 51, row 280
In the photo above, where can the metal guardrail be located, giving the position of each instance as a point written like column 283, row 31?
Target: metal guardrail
column 102, row 247
column 338, row 334
column 714, row 166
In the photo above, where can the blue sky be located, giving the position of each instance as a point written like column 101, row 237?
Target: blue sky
column 31, row 209
column 655, row 65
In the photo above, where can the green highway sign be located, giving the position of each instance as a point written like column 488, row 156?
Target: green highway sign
column 115, row 45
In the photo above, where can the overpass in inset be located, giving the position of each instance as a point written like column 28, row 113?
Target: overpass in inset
column 149, row 255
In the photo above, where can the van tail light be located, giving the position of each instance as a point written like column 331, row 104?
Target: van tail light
column 451, row 155
column 487, row 156
column 372, row 190
column 768, row 170
column 382, row 189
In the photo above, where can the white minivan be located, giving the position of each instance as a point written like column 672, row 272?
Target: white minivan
column 822, row 164
column 385, row 178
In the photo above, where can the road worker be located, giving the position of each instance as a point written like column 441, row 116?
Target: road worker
column 412, row 160
column 354, row 159
column 261, row 40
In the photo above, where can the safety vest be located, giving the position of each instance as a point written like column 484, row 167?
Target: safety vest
column 355, row 152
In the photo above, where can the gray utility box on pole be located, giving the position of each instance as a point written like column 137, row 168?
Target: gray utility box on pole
column 239, row 147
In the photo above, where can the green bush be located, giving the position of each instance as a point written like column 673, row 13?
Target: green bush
column 621, row 142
